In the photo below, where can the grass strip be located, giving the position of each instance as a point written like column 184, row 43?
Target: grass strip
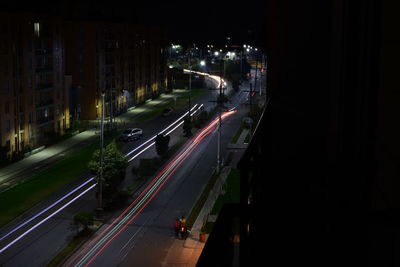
column 247, row 139
column 67, row 250
column 32, row 191
column 232, row 193
column 237, row 134
column 200, row 201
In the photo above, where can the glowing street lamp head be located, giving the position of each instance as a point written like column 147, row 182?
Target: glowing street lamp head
column 216, row 53
column 202, row 63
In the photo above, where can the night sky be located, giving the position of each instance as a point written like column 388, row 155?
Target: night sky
column 185, row 22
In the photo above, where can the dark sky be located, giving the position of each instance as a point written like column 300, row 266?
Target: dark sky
column 199, row 22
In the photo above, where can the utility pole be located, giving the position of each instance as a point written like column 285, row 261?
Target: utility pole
column 111, row 109
column 190, row 78
column 255, row 78
column 219, row 126
column 241, row 64
column 100, row 180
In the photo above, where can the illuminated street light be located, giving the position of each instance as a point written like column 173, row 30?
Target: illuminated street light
column 202, row 63
column 216, row 53
column 247, row 50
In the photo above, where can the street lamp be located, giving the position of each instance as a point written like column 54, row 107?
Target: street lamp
column 100, row 180
column 190, row 77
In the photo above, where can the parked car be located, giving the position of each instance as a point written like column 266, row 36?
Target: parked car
column 131, row 134
column 167, row 111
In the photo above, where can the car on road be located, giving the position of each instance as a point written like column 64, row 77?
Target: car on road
column 131, row 134
column 167, row 111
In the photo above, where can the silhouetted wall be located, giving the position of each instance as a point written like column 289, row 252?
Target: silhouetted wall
column 322, row 170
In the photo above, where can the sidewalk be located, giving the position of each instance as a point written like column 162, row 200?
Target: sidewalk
column 187, row 252
column 31, row 162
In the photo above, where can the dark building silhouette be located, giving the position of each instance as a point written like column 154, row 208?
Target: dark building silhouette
column 33, row 92
column 320, row 179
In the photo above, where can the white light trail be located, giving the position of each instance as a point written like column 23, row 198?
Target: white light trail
column 49, row 207
column 48, row 217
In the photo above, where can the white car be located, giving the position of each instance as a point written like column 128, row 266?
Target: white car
column 131, row 134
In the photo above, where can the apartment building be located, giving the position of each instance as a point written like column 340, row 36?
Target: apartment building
column 33, row 97
column 123, row 60
column 53, row 70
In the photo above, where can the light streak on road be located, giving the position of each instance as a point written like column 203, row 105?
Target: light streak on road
column 76, row 189
column 46, row 209
column 160, row 133
column 216, row 78
column 133, row 150
column 48, row 217
column 98, row 244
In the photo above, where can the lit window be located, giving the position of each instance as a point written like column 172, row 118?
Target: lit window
column 36, row 28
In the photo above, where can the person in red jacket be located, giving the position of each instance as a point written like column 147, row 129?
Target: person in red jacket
column 177, row 226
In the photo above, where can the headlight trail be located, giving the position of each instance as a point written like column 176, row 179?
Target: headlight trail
column 44, row 220
column 216, row 78
column 132, row 158
column 46, row 209
column 133, row 150
column 99, row 243
column 76, row 189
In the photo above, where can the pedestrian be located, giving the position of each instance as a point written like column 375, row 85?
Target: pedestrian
column 183, row 232
column 177, row 226
column 183, row 220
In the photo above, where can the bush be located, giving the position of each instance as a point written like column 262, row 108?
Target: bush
column 187, row 127
column 201, row 119
column 162, row 144
column 83, row 220
column 147, row 167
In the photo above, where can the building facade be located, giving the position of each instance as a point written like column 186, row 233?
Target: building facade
column 124, row 61
column 34, row 99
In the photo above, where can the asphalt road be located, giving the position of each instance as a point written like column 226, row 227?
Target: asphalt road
column 146, row 240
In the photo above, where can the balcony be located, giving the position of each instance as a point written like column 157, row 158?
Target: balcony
column 44, row 121
column 45, row 86
column 44, row 103
column 42, row 69
column 44, row 51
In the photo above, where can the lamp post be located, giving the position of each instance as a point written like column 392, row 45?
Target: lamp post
column 100, row 180
column 190, row 77
column 219, row 127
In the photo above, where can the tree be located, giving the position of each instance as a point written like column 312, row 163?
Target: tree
column 83, row 220
column 187, row 126
column 202, row 118
column 114, row 165
column 162, row 144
